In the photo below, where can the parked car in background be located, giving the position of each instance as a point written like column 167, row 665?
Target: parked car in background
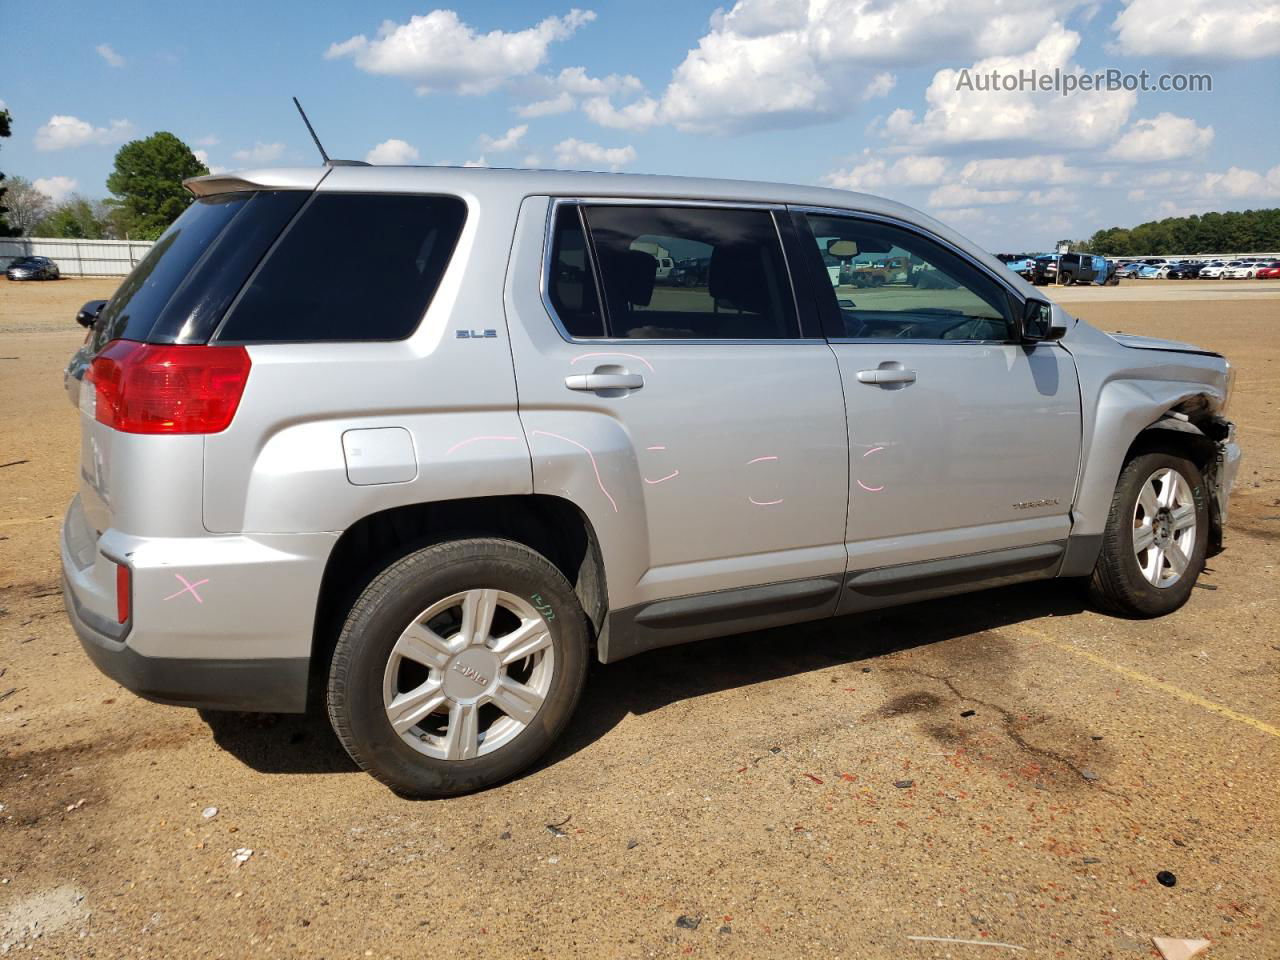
column 1269, row 270
column 1045, row 269
column 1240, row 270
column 1024, row 268
column 692, row 272
column 1129, row 271
column 429, row 492
column 1212, row 270
column 1184, row 271
column 32, row 268
column 1150, row 271
column 1085, row 268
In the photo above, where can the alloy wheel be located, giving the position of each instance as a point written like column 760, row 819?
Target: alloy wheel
column 1164, row 527
column 468, row 674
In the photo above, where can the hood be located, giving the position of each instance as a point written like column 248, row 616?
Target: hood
column 1155, row 343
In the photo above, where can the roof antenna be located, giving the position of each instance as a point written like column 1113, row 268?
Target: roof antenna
column 312, row 130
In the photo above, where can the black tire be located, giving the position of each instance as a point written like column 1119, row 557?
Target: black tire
column 395, row 598
column 1118, row 583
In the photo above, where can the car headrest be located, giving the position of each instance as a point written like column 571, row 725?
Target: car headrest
column 738, row 278
column 631, row 273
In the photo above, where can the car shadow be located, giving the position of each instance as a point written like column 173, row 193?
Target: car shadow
column 305, row 743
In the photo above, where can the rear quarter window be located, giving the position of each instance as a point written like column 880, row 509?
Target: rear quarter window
column 349, row 267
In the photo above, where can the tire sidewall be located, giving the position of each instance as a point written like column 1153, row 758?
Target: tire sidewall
column 375, row 624
column 1146, row 597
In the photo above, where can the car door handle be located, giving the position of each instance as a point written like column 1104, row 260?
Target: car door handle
column 604, row 381
column 886, row 375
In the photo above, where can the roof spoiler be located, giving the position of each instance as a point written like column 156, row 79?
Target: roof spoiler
column 283, row 178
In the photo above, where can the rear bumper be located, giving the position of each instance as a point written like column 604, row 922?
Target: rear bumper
column 241, row 640
column 275, row 685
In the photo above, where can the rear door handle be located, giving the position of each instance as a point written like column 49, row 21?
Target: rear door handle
column 886, row 375
column 604, row 381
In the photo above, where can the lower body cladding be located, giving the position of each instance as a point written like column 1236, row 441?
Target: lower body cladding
column 668, row 622
column 217, row 621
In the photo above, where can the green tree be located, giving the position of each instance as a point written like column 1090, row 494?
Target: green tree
column 75, row 218
column 26, row 205
column 6, row 229
column 147, row 182
column 1235, row 231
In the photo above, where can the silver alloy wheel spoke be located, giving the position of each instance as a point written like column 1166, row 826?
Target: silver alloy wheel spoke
column 462, row 738
column 524, row 641
column 1143, row 537
column 517, row 701
column 1177, row 559
column 478, row 607
column 1147, row 499
column 1184, row 517
column 423, row 646
column 410, row 709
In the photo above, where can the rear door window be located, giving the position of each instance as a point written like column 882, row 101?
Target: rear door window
column 350, row 267
column 744, row 292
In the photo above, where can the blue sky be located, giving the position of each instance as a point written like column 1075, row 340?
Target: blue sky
column 860, row 94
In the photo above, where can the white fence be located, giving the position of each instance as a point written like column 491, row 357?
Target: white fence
column 78, row 258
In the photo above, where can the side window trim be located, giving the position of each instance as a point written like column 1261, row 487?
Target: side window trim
column 808, row 320
column 814, row 264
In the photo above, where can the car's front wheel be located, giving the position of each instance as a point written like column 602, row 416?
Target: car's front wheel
column 458, row 667
column 1156, row 537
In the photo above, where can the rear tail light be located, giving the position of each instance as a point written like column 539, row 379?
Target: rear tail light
column 124, row 589
column 167, row 388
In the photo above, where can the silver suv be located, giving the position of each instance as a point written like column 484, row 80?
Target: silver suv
column 419, row 442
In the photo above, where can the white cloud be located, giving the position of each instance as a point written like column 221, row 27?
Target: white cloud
column 1055, row 197
column 438, row 52
column 578, row 154
column 876, row 172
column 56, row 189
column 201, row 155
column 508, row 141
column 64, row 132
column 560, row 103
column 1084, row 119
column 1237, row 184
column 640, row 115
column 393, row 152
column 482, row 162
column 960, row 195
column 1162, row 137
column 576, row 81
column 783, row 63
column 109, row 55
column 1210, row 29
column 209, row 141
column 999, row 171
column 260, row 154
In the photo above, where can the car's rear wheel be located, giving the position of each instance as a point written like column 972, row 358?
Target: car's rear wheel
column 458, row 667
column 1156, row 538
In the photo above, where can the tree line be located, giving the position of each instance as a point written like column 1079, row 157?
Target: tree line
column 146, row 187
column 1243, row 231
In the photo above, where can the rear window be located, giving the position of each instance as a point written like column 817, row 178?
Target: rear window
column 180, row 290
column 350, row 267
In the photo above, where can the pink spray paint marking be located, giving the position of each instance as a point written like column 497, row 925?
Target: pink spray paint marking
column 594, row 465
column 584, row 356
column 863, row 485
column 673, row 473
column 462, row 443
column 188, row 586
column 764, row 503
column 760, row 460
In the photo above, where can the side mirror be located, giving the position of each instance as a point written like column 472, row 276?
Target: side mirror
column 89, row 312
column 1038, row 321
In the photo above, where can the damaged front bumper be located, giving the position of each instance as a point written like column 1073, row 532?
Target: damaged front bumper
column 1221, row 475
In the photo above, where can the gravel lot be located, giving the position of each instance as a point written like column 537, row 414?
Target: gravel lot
column 818, row 791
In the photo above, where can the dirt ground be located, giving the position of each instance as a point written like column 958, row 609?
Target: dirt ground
column 740, row 797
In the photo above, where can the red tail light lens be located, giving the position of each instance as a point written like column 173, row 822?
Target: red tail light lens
column 166, row 388
column 124, row 589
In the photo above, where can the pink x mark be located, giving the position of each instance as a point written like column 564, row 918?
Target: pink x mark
column 188, row 586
